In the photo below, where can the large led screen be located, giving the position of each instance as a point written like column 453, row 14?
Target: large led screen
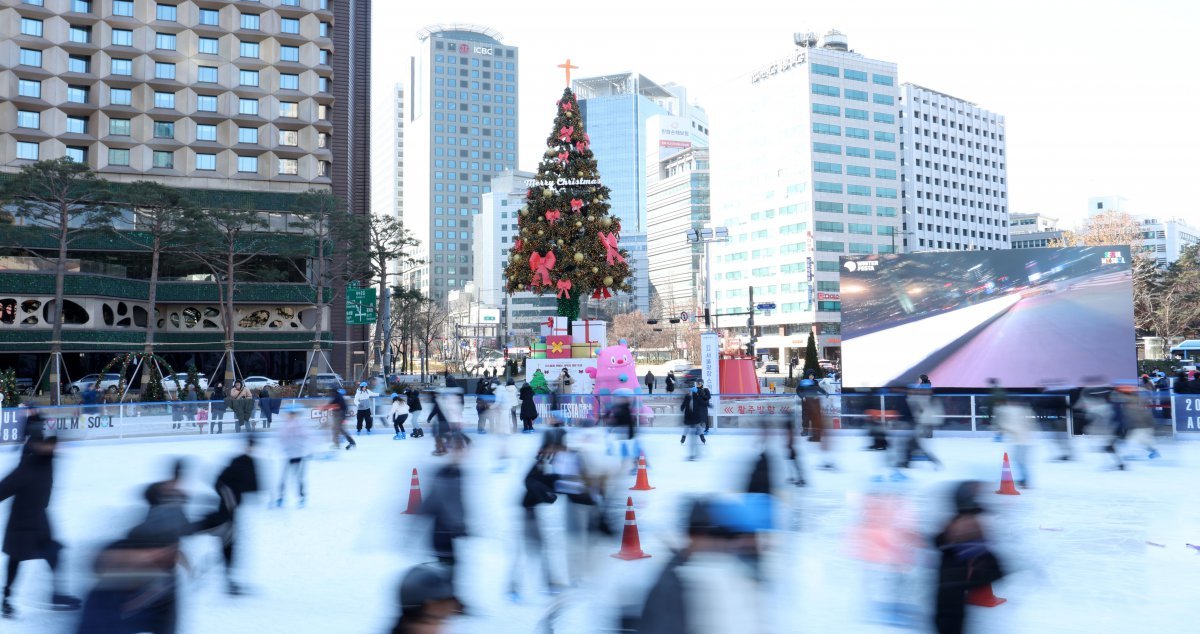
column 1025, row 317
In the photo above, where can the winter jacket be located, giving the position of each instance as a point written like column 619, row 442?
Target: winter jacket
column 695, row 407
column 399, row 408
column 622, row 417
column 528, row 406
column 966, row 562
column 414, row 400
column 670, row 383
column 1015, row 420
column 362, row 399
column 240, row 477
column 293, row 438
column 445, row 507
column 28, row 534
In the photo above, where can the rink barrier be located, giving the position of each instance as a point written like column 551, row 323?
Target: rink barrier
column 963, row 414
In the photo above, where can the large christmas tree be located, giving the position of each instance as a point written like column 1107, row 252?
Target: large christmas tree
column 567, row 242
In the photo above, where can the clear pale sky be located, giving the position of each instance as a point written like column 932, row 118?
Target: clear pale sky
column 1099, row 97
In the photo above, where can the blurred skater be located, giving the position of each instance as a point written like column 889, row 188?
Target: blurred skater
column 695, row 420
column 238, row 480
column 539, row 489
column 337, row 418
column 484, row 399
column 427, row 600
column 295, row 445
column 28, row 535
column 624, row 426
column 926, row 411
column 966, row 560
column 529, row 411
column 444, row 505
column 1139, row 422
column 1015, row 419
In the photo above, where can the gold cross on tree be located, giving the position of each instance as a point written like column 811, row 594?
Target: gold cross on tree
column 567, row 66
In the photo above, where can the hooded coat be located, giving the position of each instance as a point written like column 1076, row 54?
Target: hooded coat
column 28, row 534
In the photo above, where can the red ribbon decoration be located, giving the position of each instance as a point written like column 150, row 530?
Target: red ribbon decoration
column 576, row 205
column 563, row 156
column 553, row 215
column 541, row 265
column 582, row 146
column 566, row 105
column 601, row 293
column 611, row 254
column 517, row 244
column 565, row 133
column 564, row 288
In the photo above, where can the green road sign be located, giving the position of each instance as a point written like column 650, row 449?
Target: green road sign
column 360, row 305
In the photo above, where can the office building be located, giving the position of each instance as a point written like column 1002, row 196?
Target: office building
column 626, row 116
column 461, row 131
column 677, row 202
column 243, row 104
column 955, row 173
column 387, row 153
column 1165, row 239
column 1032, row 230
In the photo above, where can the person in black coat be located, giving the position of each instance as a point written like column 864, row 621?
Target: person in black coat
column 529, row 411
column 217, row 424
column 670, row 382
column 444, row 505
column 28, row 535
column 966, row 561
column 238, row 479
column 485, row 397
column 695, row 417
column 414, row 405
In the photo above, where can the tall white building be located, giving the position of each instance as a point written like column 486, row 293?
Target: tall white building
column 677, row 203
column 628, row 118
column 955, row 173
column 387, row 153
column 807, row 169
column 460, row 132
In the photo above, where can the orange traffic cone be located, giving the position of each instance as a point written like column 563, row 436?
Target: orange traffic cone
column 982, row 596
column 631, row 545
column 414, row 496
column 643, row 480
column 1006, row 482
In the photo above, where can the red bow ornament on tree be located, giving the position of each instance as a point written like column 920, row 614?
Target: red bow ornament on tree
column 553, row 215
column 564, row 288
column 563, row 156
column 565, row 133
column 566, row 105
column 517, row 244
column 576, row 205
column 582, row 146
column 541, row 265
column 601, row 293
column 611, row 254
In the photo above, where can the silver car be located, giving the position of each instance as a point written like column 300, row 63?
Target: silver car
column 108, row 380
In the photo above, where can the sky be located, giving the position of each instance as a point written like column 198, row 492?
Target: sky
column 1099, row 97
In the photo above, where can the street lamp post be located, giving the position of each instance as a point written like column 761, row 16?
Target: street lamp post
column 707, row 236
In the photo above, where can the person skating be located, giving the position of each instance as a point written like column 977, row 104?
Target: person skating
column 337, row 418
column 624, row 423
column 927, row 414
column 1015, row 419
column 539, row 489
column 235, row 482
column 704, row 399
column 295, row 445
column 444, row 506
column 28, row 535
column 795, row 457
column 426, row 600
column 966, row 560
column 529, row 411
column 1138, row 420
column 513, row 399
column 362, row 405
column 670, row 381
column 695, row 417
column 399, row 413
column 414, row 406
column 484, row 399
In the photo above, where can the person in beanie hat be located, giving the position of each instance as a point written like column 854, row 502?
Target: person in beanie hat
column 966, row 560
column 426, row 600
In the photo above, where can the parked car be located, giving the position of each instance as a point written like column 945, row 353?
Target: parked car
column 257, row 383
column 109, row 380
column 689, row 378
column 170, row 386
column 771, row 368
column 24, row 386
column 322, row 382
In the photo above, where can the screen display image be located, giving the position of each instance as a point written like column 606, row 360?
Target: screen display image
column 1025, row 317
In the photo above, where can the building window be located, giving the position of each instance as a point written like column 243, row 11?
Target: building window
column 885, row 100
column 210, row 17
column 858, row 190
column 123, row 8
column 30, row 26
column 856, row 75
column 825, row 128
column 829, row 91
column 827, row 168
column 166, row 12
column 885, row 136
column 206, row 132
column 822, row 69
column 289, row 53
column 250, row 21
column 883, row 117
column 289, row 138
column 209, row 46
column 827, row 148
column 858, row 133
column 27, row 151
column 860, row 152
column 324, row 30
column 122, row 66
column 122, row 37
column 31, row 57
column 248, row 135
column 322, row 168
column 323, row 4
column 206, row 103
column 321, row 140
column 207, row 162
column 79, row 64
column 165, row 160
column 855, row 113
column 323, row 84
column 164, row 100
column 247, row 164
column 248, row 77
column 29, row 88
column 820, row 108
column 288, row 81
column 290, row 25
column 163, row 70
column 164, row 41
column 883, row 80
column 826, row 187
column 289, row 166
column 249, row 49
column 291, row 3
column 826, row 206
column 207, row 74
column 856, row 95
column 323, row 57
column 858, row 170
column 80, row 34
column 323, row 113
column 885, row 192
column 118, row 127
column 77, row 125
column 289, row 109
column 77, row 94
column 118, row 156
column 164, row 130
column 29, row 119
column 247, row 106
column 77, row 154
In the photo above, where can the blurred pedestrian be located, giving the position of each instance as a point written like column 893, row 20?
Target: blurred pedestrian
column 651, row 382
column 1015, row 419
column 695, row 418
column 217, row 424
column 414, row 406
column 625, row 426
column 529, row 411
column 235, row 482
column 28, row 535
column 539, row 489
column 362, row 405
column 967, row 561
column 399, row 412
column 484, row 399
column 445, row 507
column 294, row 442
column 670, row 381
column 241, row 401
column 337, row 409
column 427, row 600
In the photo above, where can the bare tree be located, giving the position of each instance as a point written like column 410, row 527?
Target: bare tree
column 1104, row 228
column 387, row 243
column 632, row 327
column 431, row 318
column 58, row 202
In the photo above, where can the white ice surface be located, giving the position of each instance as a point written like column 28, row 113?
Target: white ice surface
column 1076, row 545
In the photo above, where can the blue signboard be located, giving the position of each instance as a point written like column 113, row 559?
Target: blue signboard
column 1186, row 409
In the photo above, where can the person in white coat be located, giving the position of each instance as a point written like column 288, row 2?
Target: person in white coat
column 1015, row 419
column 294, row 442
column 398, row 414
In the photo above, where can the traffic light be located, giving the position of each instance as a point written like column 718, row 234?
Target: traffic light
column 652, row 321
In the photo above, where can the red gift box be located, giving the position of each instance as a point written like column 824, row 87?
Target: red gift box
column 558, row 347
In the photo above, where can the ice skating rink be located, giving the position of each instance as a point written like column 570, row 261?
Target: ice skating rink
column 1079, row 546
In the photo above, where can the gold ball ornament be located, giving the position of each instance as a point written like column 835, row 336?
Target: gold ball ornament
column 541, row 233
column 578, row 224
column 560, row 242
column 578, row 257
column 595, row 269
column 516, row 257
column 520, row 287
column 607, row 222
column 608, row 280
column 581, row 173
column 547, row 193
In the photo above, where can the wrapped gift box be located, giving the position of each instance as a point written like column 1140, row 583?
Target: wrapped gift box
column 589, row 331
column 554, row 326
column 584, row 350
column 558, row 347
column 538, row 350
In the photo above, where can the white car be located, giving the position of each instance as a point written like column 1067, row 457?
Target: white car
column 257, row 383
column 170, row 385
column 109, row 380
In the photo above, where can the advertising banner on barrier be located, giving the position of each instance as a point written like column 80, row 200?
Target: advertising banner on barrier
column 1186, row 409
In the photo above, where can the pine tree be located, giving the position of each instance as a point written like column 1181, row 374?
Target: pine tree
column 8, row 387
column 811, row 363
column 567, row 240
